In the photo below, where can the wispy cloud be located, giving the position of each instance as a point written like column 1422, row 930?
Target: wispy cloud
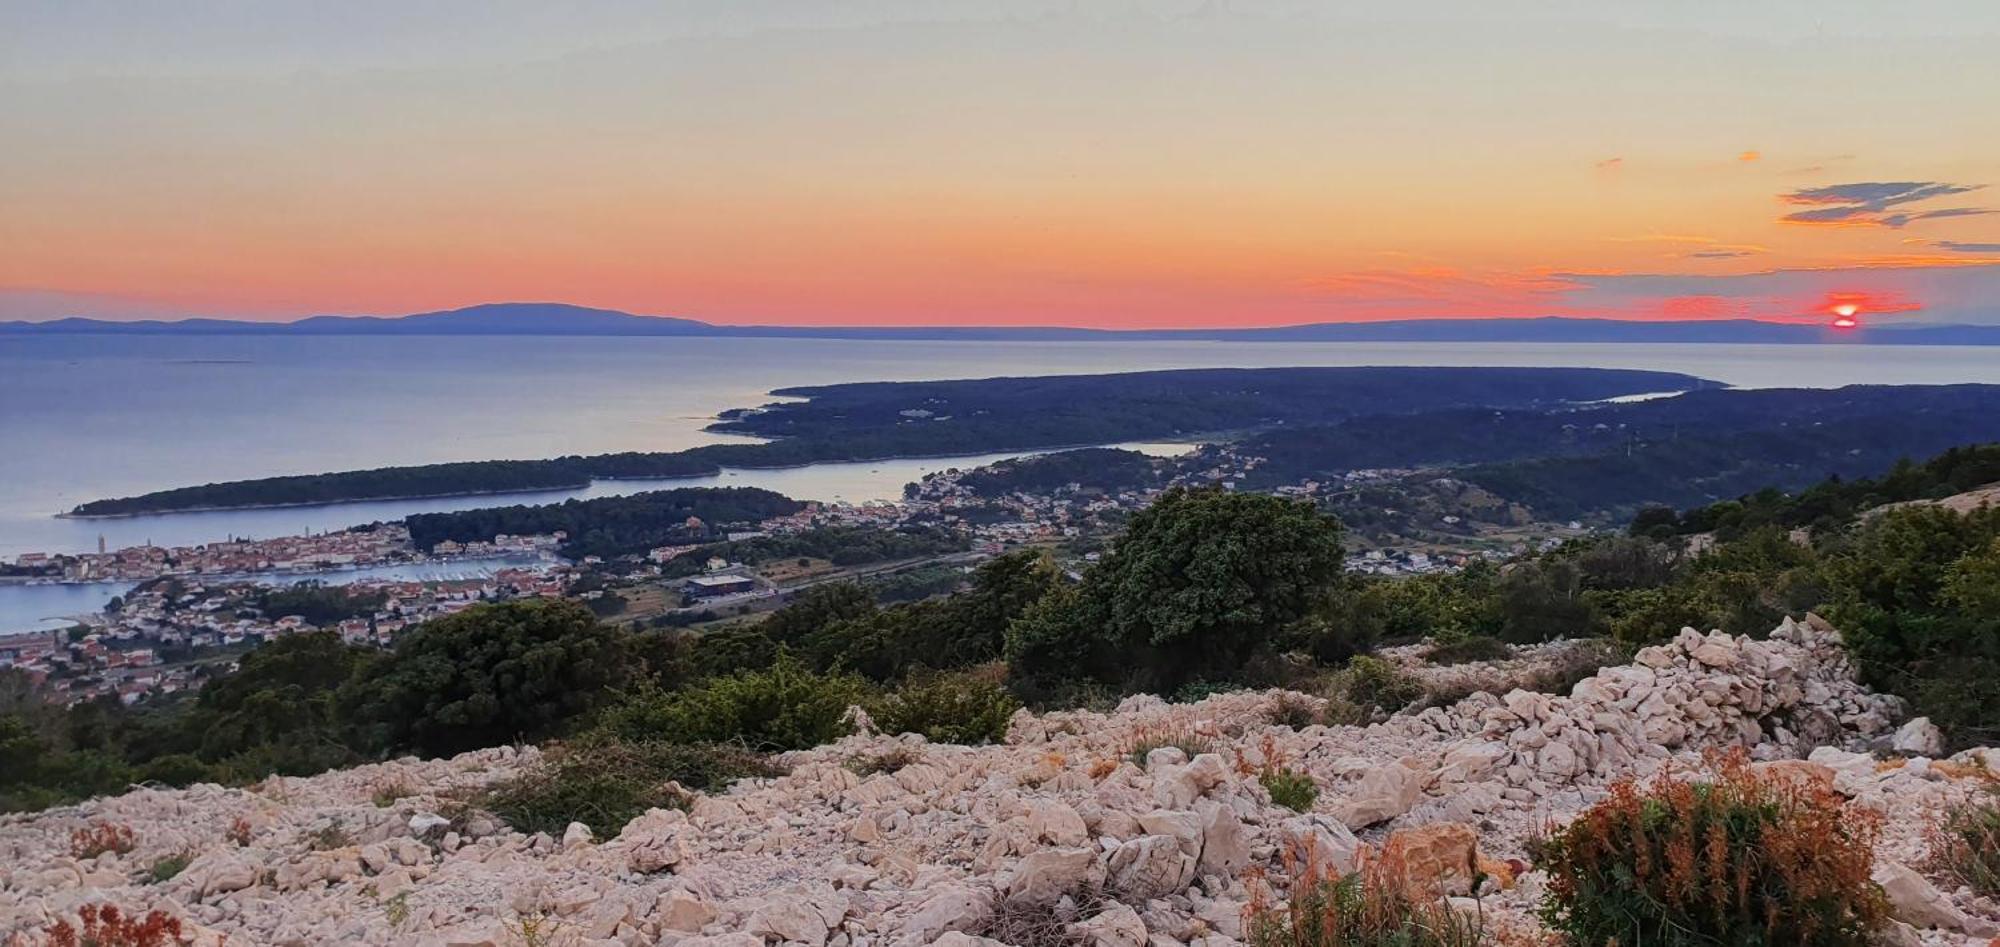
column 1752, row 155
column 1958, row 246
column 1874, row 203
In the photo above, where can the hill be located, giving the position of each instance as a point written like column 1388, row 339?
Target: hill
column 566, row 319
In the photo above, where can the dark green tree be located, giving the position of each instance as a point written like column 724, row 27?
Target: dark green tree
column 1201, row 581
column 491, row 674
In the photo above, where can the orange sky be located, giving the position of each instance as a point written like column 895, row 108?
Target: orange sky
column 1118, row 164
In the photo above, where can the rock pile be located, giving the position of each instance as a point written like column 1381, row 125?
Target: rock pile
column 1143, row 827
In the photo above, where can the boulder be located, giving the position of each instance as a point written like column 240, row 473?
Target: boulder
column 1150, row 866
column 1384, row 793
column 1440, row 858
column 1044, row 876
column 1057, row 823
column 682, row 911
column 1920, row 904
column 1321, row 843
column 1115, row 926
column 952, row 908
column 1919, row 737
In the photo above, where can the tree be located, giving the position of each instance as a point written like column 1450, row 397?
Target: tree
column 279, row 704
column 1201, row 581
column 491, row 674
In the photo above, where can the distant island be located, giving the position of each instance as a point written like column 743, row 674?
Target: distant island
column 559, row 319
column 881, row 420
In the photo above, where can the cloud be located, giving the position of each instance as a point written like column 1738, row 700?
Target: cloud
column 1752, row 155
column 1722, row 254
column 1611, row 164
column 1936, row 290
column 1871, row 203
column 1957, row 246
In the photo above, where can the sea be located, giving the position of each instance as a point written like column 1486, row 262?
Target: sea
column 87, row 417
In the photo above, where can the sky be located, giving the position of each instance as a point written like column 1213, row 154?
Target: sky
column 1114, row 163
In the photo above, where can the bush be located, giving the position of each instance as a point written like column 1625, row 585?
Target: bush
column 104, row 925
column 1374, row 682
column 606, row 783
column 1734, row 860
column 1293, row 790
column 1467, row 649
column 1965, row 846
column 1366, row 909
column 167, row 867
column 1187, row 741
column 100, row 838
column 782, row 707
column 948, row 708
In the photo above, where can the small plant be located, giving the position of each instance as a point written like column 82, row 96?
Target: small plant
column 1187, row 741
column 239, row 831
column 1289, row 788
column 1737, row 859
column 1370, row 908
column 166, row 867
column 106, row 926
column 99, row 838
column 397, row 909
column 1965, row 846
column 387, row 793
column 888, row 761
column 539, row 930
column 1032, row 924
column 329, row 837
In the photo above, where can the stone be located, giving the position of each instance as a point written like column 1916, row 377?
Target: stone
column 1385, row 792
column 1225, row 847
column 577, row 834
column 1322, row 844
column 1150, row 866
column 1115, row 926
column 682, row 911
column 1440, row 858
column 654, row 841
column 1044, row 876
column 952, row 908
column 1919, row 737
column 797, row 917
column 1057, row 823
column 1918, row 903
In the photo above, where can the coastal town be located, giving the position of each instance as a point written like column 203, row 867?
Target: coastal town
column 195, row 609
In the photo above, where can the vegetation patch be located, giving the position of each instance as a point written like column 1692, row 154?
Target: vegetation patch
column 1736, row 859
column 605, row 783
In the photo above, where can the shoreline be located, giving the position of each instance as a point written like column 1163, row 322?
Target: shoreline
column 587, row 484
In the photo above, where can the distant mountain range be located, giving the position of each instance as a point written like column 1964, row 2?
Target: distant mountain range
column 545, row 319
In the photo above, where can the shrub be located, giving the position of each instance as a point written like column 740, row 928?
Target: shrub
column 605, row 783
column 1034, row 924
column 1182, row 739
column 1296, row 711
column 1965, row 846
column 106, row 926
column 948, row 708
column 1733, row 860
column 328, row 837
column 1289, row 788
column 1366, row 909
column 887, row 761
column 781, row 707
column 1373, row 682
column 166, row 867
column 1467, row 649
column 99, row 838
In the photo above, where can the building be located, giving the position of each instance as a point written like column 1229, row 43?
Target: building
column 711, row 586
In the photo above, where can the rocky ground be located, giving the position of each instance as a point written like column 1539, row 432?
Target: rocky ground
column 880, row 840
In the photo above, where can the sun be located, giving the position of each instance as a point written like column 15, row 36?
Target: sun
column 1846, row 310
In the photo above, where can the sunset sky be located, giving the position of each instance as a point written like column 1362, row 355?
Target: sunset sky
column 1070, row 162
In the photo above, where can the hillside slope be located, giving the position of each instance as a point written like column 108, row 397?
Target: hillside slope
column 948, row 844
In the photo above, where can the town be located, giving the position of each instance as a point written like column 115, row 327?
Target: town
column 196, row 609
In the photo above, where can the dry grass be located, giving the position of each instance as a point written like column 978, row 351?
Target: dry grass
column 101, row 838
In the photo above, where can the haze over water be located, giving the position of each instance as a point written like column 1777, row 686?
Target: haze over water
column 84, row 418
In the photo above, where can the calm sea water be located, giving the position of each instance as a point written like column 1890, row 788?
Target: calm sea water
column 89, row 417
